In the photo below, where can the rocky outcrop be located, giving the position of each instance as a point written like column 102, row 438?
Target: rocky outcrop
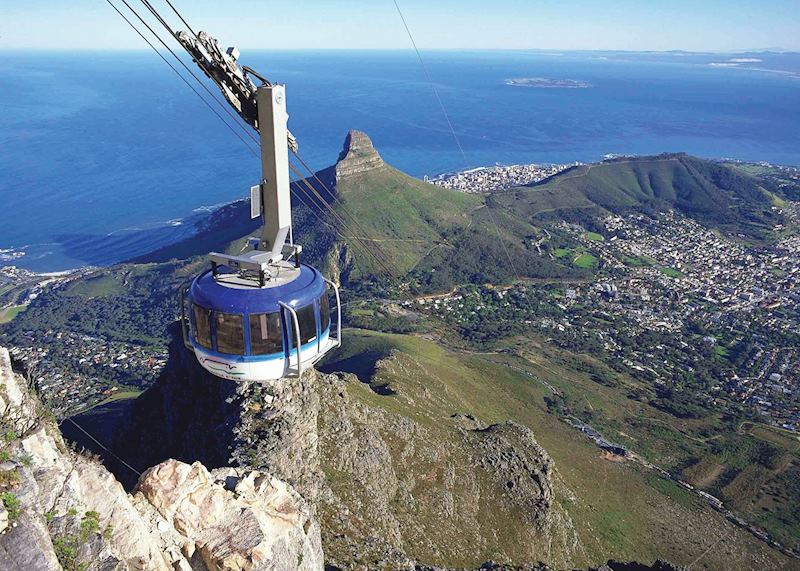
column 63, row 509
column 510, row 455
column 190, row 415
column 69, row 506
column 358, row 156
column 231, row 519
column 399, row 490
column 389, row 489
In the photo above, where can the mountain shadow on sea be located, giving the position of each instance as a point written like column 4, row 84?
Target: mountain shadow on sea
column 126, row 245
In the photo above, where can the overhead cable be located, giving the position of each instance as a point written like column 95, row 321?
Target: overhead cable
column 172, row 67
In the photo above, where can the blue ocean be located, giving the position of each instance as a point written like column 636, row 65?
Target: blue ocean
column 109, row 155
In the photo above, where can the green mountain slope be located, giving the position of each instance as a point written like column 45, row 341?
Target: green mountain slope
column 443, row 238
column 398, row 217
column 710, row 192
column 602, row 506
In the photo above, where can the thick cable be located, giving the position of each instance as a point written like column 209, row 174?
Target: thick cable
column 172, row 67
column 215, row 97
column 185, row 23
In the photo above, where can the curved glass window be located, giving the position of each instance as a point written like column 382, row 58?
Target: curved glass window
column 307, row 320
column 265, row 333
column 202, row 326
column 324, row 312
column 230, row 333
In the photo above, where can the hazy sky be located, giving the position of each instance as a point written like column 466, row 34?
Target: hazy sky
column 699, row 25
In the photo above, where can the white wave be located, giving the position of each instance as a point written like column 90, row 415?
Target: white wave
column 9, row 255
column 211, row 207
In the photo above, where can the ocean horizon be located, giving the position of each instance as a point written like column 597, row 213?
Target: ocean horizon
column 107, row 155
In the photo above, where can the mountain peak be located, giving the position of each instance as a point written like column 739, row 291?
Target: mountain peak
column 357, row 156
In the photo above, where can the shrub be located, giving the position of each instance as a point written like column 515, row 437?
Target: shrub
column 11, row 504
column 68, row 546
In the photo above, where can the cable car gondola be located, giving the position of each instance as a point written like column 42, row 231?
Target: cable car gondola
column 262, row 315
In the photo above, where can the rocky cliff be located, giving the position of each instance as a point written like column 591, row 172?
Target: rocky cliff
column 61, row 509
column 358, row 156
column 389, row 489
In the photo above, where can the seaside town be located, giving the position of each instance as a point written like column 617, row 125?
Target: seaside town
column 99, row 370
column 74, row 371
column 497, row 178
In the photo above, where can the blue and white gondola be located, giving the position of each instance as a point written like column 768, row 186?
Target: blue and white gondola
column 245, row 333
column 260, row 315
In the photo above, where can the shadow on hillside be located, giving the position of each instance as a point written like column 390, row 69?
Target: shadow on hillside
column 187, row 415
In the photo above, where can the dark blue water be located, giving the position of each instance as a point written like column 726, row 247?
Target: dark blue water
column 101, row 151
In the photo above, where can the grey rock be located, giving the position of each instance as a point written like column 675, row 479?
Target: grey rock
column 358, row 156
column 181, row 517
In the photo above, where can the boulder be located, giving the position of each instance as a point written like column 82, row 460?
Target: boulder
column 73, row 511
column 233, row 519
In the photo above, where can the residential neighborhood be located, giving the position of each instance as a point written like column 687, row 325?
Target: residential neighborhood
column 496, row 178
column 98, row 369
column 724, row 318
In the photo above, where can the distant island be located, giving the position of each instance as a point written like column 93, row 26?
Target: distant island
column 546, row 83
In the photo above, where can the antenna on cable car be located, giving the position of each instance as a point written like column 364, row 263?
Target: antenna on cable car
column 261, row 315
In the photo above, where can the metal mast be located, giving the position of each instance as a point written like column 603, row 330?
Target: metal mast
column 263, row 108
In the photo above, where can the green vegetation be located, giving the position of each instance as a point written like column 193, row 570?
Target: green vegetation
column 11, row 503
column 671, row 272
column 118, row 396
column 99, row 285
column 594, row 237
column 67, row 546
column 585, row 261
column 738, row 451
column 8, row 314
column 134, row 303
column 672, row 490
column 639, row 261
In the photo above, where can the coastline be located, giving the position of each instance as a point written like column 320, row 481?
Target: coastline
column 161, row 236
